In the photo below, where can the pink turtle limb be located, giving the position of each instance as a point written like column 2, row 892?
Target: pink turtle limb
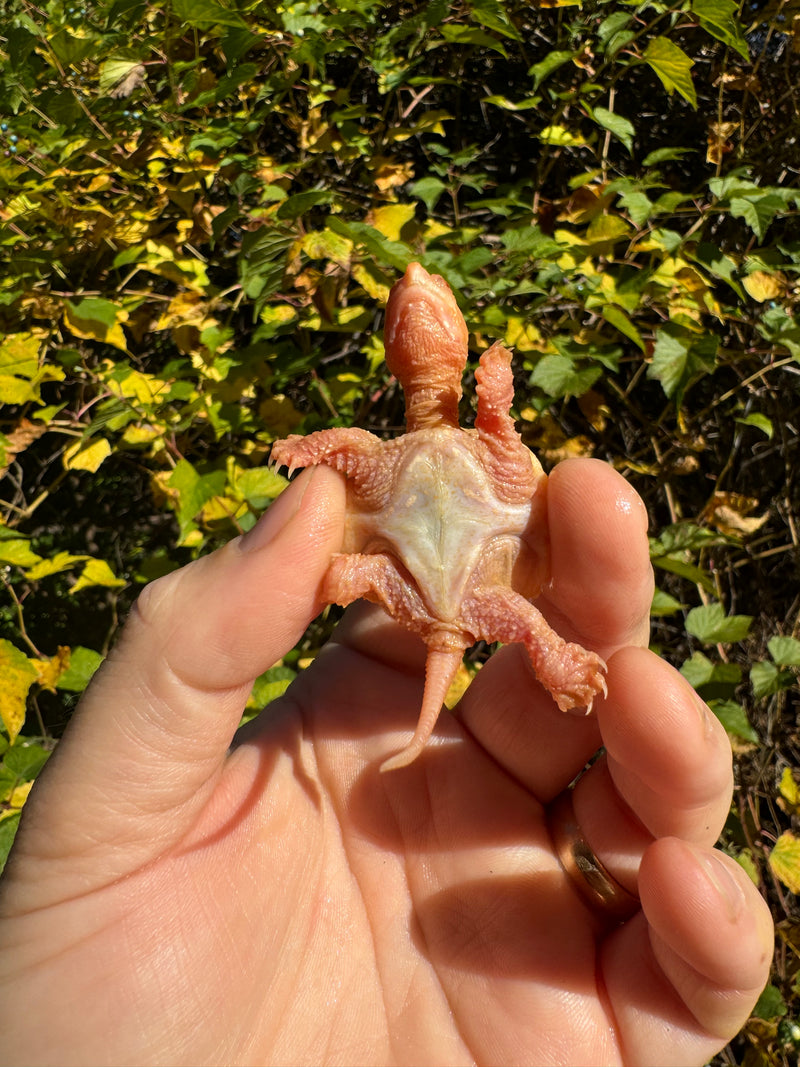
column 571, row 674
column 446, row 527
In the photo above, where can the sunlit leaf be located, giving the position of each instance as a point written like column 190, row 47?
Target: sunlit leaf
column 734, row 718
column 97, row 572
column 50, row 670
column 206, row 13
column 620, row 127
column 785, row 651
column 758, row 420
column 83, row 662
column 86, row 456
column 672, row 66
column 763, row 286
column 784, row 859
column 18, row 674
column 712, row 626
column 97, row 319
column 61, row 561
column 18, row 552
column 720, row 19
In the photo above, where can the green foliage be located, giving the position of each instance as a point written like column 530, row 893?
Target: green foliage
column 202, row 208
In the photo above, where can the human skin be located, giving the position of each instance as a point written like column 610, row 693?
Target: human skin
column 175, row 899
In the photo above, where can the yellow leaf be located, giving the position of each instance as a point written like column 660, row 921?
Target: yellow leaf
column 48, row 671
column 20, row 794
column 222, row 509
column 789, row 790
column 730, row 514
column 57, row 563
column 459, row 685
column 522, row 335
column 367, row 277
column 391, row 218
column 560, row 135
column 86, row 457
column 785, row 861
column 762, row 286
column 18, row 674
column 137, row 435
column 389, row 173
column 97, row 572
column 97, row 320
column 325, row 244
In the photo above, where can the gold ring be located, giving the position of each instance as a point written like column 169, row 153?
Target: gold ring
column 599, row 889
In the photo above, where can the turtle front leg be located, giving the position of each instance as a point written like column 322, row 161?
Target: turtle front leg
column 570, row 673
column 358, row 454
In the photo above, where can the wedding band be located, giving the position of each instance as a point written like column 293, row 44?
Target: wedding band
column 599, row 889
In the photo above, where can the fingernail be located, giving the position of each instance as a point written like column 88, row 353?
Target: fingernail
column 723, row 881
column 277, row 515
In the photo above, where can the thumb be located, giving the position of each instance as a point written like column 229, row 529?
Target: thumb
column 150, row 735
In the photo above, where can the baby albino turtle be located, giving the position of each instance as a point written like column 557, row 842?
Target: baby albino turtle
column 446, row 528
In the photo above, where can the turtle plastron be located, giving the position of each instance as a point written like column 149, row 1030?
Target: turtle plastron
column 445, row 527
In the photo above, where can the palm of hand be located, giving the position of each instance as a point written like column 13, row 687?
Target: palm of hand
column 287, row 903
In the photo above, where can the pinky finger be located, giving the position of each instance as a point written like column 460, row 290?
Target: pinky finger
column 682, row 983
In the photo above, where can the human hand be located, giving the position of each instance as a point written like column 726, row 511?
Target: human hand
column 171, row 901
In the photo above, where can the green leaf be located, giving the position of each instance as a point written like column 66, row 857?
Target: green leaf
column 757, row 212
column 734, row 718
column 193, row 489
column 664, row 604
column 83, row 662
column 25, row 759
column 679, row 358
column 389, row 253
column 766, row 679
column 664, row 155
column 260, row 485
column 770, row 1005
column 119, row 76
column 18, row 552
column 492, row 15
column 672, row 66
column 553, row 60
column 9, row 821
column 758, row 420
column 428, row 190
column 785, row 651
column 262, row 262
column 557, row 376
column 272, row 684
column 614, row 32
column 206, row 13
column 701, row 672
column 471, row 35
column 712, row 626
column 719, row 18
column 617, row 317
column 293, row 207
column 620, row 127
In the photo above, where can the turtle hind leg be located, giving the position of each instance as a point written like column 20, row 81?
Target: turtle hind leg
column 573, row 675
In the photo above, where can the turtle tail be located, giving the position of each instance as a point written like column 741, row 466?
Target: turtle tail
column 440, row 670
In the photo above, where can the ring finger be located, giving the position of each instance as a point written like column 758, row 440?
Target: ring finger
column 666, row 771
